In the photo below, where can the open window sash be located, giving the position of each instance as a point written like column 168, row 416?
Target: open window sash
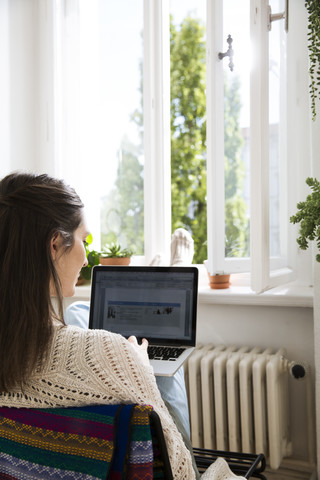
column 267, row 270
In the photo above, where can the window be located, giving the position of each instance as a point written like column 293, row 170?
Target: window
column 125, row 123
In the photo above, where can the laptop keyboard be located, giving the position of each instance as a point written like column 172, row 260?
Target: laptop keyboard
column 165, row 353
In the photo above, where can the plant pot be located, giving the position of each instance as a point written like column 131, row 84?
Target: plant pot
column 218, row 281
column 115, row 260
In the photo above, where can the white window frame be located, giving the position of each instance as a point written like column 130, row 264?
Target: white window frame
column 259, row 108
column 157, row 137
column 266, row 272
column 259, row 264
column 215, row 140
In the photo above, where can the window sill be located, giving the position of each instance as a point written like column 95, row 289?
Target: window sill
column 239, row 293
column 83, row 292
column 289, row 295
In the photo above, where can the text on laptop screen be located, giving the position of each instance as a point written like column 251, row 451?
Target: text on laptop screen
column 152, row 302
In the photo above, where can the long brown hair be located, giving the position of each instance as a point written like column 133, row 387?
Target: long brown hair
column 33, row 208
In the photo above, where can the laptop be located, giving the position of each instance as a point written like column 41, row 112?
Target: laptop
column 157, row 303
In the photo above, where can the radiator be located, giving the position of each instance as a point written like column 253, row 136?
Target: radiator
column 238, row 400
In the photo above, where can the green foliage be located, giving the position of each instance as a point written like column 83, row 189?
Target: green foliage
column 188, row 131
column 114, row 250
column 92, row 257
column 313, row 8
column 308, row 216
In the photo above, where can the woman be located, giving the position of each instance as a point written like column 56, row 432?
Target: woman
column 43, row 362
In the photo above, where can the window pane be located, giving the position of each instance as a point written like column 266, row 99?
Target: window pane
column 188, row 121
column 236, row 23
column 120, row 176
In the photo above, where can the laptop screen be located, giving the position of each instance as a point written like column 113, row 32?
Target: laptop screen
column 158, row 303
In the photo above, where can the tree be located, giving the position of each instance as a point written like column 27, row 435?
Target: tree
column 188, row 131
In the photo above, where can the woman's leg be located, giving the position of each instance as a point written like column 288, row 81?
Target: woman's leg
column 77, row 314
column 173, row 391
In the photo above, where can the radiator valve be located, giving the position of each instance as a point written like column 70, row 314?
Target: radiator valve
column 298, row 370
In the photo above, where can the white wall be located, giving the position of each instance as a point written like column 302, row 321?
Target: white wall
column 276, row 327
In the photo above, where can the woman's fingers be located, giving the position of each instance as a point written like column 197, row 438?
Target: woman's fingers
column 133, row 340
column 142, row 350
column 145, row 343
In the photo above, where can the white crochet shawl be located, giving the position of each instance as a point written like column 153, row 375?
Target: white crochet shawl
column 96, row 367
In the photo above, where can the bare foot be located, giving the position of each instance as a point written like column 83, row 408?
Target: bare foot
column 182, row 247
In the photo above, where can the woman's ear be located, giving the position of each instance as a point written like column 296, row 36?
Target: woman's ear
column 55, row 245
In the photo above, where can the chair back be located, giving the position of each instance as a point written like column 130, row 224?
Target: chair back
column 92, row 442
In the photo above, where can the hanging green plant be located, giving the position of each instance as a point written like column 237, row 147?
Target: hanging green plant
column 313, row 8
column 308, row 215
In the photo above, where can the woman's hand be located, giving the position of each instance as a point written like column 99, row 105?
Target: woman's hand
column 142, row 350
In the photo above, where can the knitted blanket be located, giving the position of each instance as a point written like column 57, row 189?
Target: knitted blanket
column 83, row 443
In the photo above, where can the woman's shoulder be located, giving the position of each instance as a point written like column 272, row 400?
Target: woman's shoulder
column 75, row 335
column 72, row 331
column 71, row 343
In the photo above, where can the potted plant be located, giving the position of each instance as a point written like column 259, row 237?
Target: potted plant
column 219, row 280
column 92, row 258
column 113, row 254
column 308, row 215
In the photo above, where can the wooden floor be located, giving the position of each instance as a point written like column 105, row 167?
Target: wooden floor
column 288, row 474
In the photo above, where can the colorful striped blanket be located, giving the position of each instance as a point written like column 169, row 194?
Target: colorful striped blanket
column 83, row 443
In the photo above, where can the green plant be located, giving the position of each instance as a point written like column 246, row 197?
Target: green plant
column 113, row 250
column 313, row 9
column 92, row 257
column 308, row 216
